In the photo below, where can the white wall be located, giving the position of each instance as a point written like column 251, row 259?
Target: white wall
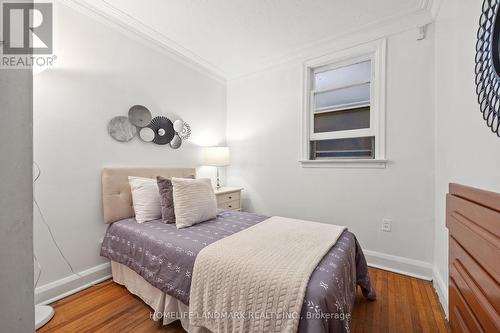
column 264, row 112
column 466, row 150
column 100, row 72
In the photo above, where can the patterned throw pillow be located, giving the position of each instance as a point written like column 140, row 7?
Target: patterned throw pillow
column 194, row 201
column 167, row 199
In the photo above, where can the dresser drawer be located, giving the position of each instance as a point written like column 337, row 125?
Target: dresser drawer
column 226, row 197
column 230, row 205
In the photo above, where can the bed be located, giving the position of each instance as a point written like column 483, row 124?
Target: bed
column 155, row 260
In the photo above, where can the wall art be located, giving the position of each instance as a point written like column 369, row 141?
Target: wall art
column 159, row 130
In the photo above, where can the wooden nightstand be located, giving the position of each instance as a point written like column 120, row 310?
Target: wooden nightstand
column 229, row 198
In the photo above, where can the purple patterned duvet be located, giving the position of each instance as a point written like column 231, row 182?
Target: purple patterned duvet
column 164, row 256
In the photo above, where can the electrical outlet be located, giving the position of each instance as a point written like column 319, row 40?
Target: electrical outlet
column 386, row 225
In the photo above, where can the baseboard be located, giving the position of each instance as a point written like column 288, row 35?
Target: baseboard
column 69, row 285
column 411, row 267
column 441, row 290
column 414, row 268
column 59, row 289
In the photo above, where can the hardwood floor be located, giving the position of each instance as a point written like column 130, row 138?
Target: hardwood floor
column 403, row 304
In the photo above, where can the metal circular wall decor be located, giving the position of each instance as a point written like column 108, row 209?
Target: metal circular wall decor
column 159, row 130
column 139, row 115
column 178, row 125
column 163, row 130
column 488, row 64
column 176, row 142
column 146, row 134
column 121, row 129
column 185, row 133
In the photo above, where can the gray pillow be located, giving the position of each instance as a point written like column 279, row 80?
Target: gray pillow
column 167, row 199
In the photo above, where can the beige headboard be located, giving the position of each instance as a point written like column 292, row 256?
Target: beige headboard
column 116, row 196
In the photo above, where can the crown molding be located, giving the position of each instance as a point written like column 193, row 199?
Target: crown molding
column 433, row 6
column 105, row 13
column 365, row 34
column 424, row 13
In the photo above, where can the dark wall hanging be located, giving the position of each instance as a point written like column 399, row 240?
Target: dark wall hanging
column 163, row 129
column 159, row 130
column 488, row 64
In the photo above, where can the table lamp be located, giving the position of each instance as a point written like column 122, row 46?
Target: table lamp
column 217, row 157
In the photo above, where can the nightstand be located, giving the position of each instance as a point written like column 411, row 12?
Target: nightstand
column 229, row 198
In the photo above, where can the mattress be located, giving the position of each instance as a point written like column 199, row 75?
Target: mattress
column 164, row 256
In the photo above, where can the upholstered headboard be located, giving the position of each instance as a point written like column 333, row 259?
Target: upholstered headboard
column 116, row 196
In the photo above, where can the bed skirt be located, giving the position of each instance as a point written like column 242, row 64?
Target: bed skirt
column 164, row 307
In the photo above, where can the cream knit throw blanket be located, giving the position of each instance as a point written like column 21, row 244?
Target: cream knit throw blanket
column 256, row 279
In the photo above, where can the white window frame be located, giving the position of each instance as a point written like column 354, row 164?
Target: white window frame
column 376, row 53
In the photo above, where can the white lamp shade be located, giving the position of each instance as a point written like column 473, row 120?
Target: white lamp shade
column 216, row 156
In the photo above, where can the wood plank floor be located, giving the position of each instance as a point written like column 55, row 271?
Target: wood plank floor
column 403, row 305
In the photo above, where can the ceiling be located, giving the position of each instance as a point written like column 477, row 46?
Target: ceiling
column 234, row 37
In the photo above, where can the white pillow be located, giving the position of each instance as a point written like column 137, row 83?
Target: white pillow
column 145, row 198
column 194, row 201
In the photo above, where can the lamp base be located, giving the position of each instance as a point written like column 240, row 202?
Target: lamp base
column 218, row 180
column 43, row 313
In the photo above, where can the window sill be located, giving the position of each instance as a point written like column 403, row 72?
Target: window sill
column 345, row 163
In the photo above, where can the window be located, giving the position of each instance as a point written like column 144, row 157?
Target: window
column 343, row 116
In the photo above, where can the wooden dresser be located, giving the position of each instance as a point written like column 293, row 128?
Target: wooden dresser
column 229, row 198
column 473, row 220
